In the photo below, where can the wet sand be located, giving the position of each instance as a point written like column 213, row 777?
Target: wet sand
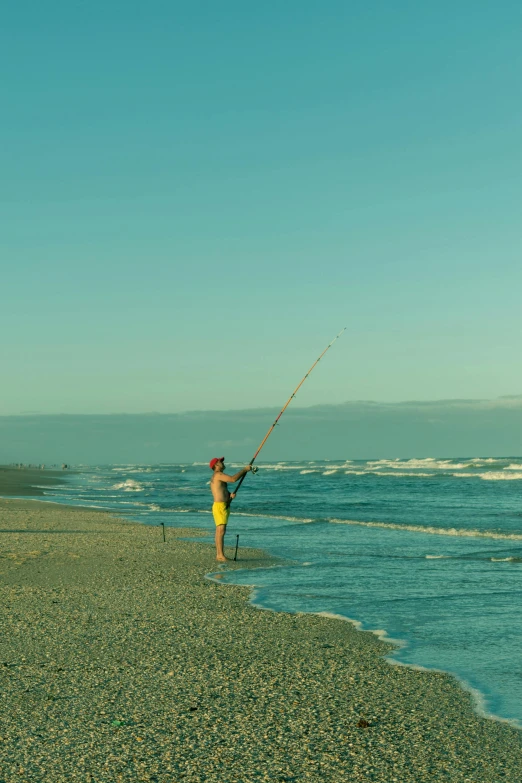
column 27, row 481
column 120, row 661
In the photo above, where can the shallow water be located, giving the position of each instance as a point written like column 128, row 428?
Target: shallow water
column 428, row 551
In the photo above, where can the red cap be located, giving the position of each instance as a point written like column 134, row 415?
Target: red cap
column 213, row 461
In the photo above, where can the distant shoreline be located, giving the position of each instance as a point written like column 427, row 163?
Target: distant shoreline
column 16, row 481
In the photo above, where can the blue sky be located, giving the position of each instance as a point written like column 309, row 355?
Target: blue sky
column 196, row 197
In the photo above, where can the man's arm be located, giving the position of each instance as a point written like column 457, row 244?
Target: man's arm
column 236, row 476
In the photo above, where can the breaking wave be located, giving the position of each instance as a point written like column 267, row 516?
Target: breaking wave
column 435, row 531
column 129, row 486
column 493, row 475
column 425, row 529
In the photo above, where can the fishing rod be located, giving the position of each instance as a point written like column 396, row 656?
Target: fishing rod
column 283, row 409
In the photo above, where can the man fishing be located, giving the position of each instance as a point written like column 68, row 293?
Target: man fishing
column 218, row 484
column 222, row 499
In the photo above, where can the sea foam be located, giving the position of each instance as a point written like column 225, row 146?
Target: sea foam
column 434, row 531
column 129, row 486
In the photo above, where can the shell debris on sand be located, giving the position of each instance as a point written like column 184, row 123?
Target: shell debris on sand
column 121, row 662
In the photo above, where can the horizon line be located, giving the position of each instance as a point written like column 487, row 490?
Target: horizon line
column 513, row 398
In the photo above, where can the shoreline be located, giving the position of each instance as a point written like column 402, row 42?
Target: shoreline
column 122, row 653
column 20, row 481
column 478, row 699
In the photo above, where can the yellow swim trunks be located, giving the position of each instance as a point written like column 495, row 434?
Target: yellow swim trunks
column 221, row 513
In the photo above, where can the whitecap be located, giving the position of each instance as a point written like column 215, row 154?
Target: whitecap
column 434, row 531
column 412, row 464
column 397, row 474
column 279, row 466
column 492, row 475
column 129, row 486
column 497, row 476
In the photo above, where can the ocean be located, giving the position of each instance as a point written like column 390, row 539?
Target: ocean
column 425, row 552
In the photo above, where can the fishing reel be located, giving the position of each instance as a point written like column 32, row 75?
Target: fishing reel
column 254, row 469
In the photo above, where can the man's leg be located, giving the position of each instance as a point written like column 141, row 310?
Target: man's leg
column 220, row 539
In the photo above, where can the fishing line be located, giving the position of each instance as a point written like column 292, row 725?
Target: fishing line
column 285, row 406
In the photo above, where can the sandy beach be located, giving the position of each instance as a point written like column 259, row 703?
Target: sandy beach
column 120, row 661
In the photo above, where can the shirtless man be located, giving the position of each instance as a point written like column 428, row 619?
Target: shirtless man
column 222, row 498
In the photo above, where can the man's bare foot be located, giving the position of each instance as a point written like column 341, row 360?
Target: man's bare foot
column 221, row 559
